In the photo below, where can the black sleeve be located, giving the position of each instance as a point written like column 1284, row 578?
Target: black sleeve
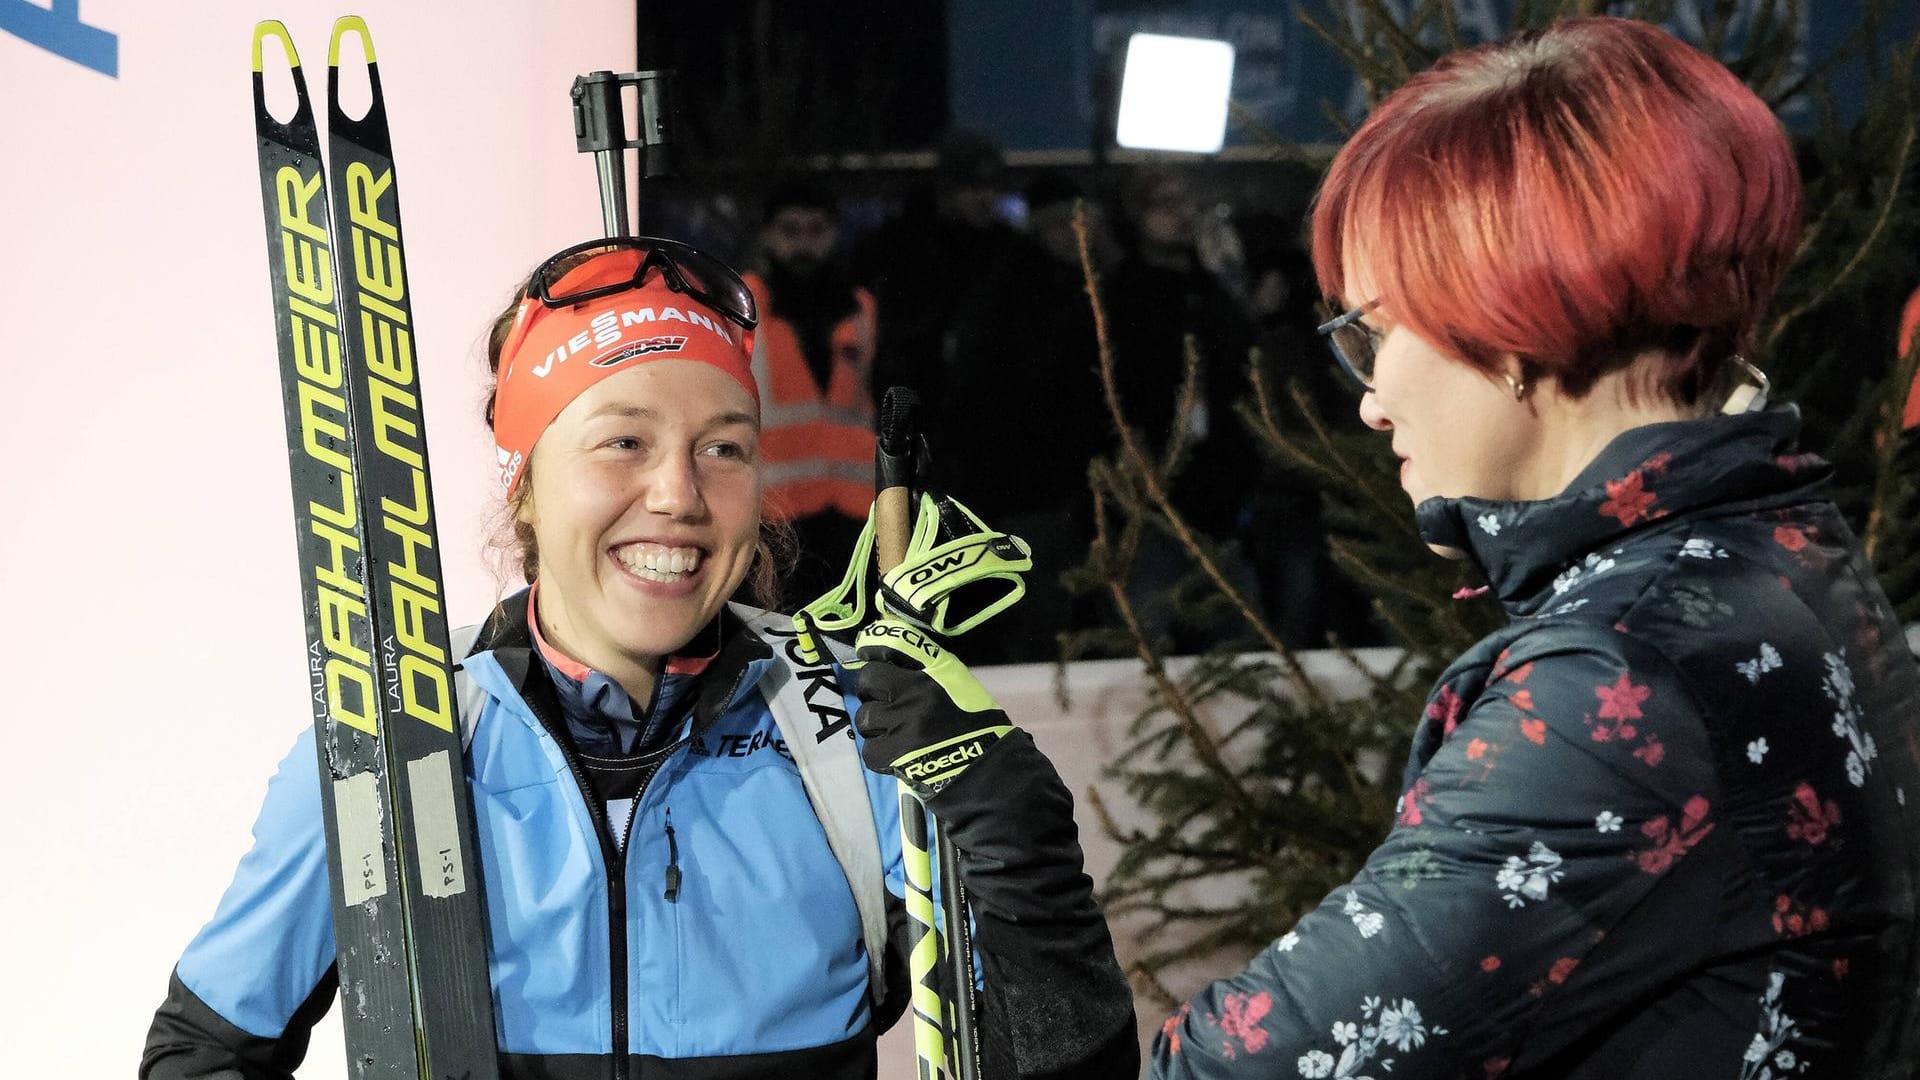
column 1056, row 1004
column 189, row 1041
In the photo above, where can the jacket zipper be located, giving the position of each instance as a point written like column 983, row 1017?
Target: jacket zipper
column 673, row 862
column 614, row 861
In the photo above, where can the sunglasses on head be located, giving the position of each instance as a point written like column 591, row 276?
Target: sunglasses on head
column 686, row 270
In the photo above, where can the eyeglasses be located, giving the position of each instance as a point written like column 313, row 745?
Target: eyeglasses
column 1354, row 343
column 686, row 269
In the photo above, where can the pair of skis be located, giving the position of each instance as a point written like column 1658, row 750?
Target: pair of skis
column 408, row 901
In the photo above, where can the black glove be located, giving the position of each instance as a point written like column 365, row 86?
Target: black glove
column 924, row 716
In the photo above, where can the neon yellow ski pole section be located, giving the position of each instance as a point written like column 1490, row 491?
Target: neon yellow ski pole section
column 923, row 963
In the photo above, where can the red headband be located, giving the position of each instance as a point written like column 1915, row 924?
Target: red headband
column 553, row 355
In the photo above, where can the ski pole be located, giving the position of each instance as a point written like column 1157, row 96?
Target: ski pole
column 931, row 861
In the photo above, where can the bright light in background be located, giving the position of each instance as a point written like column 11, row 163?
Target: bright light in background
column 1173, row 94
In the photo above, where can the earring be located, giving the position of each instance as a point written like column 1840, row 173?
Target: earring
column 1750, row 396
column 1518, row 386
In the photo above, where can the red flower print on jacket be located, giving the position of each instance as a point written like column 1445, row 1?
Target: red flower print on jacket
column 1446, row 710
column 1792, row 918
column 1242, row 1020
column 1486, row 755
column 1619, row 706
column 1670, row 842
column 1411, row 803
column 1652, row 751
column 1523, row 698
column 1558, row 974
column 1628, row 501
column 1791, row 537
column 1808, row 819
column 1622, row 700
column 1171, row 1029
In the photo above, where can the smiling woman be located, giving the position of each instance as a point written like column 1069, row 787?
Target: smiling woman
column 689, row 869
column 646, row 447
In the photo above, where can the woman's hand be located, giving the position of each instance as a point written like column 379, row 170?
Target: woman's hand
column 925, row 718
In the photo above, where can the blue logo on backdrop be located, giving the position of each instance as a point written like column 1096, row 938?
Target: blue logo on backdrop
column 58, row 30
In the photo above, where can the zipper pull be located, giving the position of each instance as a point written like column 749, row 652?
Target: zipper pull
column 673, row 862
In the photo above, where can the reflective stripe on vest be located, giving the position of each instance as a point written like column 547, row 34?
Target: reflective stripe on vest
column 817, row 445
column 790, row 473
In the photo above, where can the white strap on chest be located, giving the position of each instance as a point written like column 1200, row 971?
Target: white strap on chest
column 471, row 695
column 809, row 706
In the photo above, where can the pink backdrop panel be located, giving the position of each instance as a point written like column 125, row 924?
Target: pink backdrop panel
column 152, row 635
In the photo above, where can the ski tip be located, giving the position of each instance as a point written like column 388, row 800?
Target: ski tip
column 267, row 28
column 342, row 26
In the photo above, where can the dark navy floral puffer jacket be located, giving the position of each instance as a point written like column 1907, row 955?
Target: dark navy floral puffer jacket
column 1663, row 825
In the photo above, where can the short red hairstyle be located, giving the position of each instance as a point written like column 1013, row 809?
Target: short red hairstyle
column 1576, row 196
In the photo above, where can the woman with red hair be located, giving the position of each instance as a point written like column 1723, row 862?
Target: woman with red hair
column 1658, row 825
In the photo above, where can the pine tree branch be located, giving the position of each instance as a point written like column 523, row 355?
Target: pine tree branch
column 1263, row 422
column 1450, row 26
column 1361, row 569
column 1390, row 509
column 1371, row 72
column 1340, row 468
column 1206, row 748
column 1172, row 912
column 1407, row 50
column 1183, row 406
column 1155, row 990
column 1156, row 490
column 1813, row 75
column 1867, row 246
column 1277, row 145
column 1889, row 480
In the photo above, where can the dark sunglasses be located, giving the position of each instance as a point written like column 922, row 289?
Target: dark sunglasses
column 686, row 269
column 1354, row 343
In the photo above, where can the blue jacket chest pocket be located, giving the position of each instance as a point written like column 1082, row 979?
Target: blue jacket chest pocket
column 769, row 951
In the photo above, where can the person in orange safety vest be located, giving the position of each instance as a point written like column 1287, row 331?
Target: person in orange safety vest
column 813, row 361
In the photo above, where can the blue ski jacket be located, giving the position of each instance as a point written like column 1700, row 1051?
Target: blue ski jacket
column 718, row 938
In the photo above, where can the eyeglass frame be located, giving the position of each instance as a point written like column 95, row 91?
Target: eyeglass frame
column 1755, row 400
column 1331, row 331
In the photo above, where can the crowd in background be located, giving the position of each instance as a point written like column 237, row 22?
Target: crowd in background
column 974, row 295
